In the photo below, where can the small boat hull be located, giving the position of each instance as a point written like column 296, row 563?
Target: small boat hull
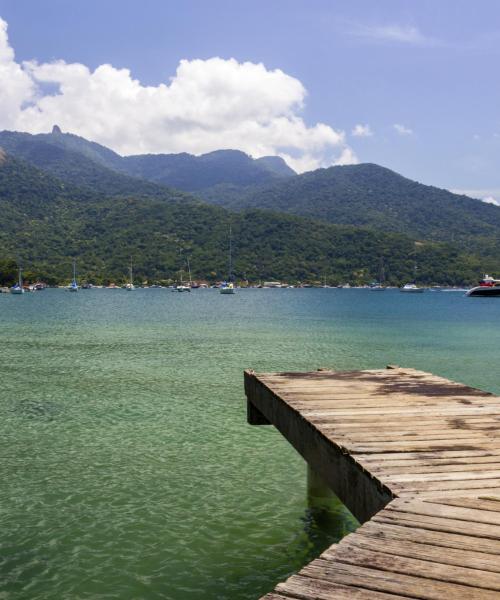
column 485, row 291
column 227, row 290
column 17, row 290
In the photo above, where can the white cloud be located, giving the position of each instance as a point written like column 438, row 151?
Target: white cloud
column 491, row 200
column 360, row 130
column 490, row 196
column 207, row 105
column 402, row 130
column 395, row 33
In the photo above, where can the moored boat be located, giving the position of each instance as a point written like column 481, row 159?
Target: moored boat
column 17, row 288
column 73, row 286
column 488, row 286
column 228, row 287
column 130, row 285
column 411, row 288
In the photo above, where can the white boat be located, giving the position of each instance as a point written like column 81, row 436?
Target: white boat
column 228, row 288
column 488, row 286
column 411, row 288
column 130, row 285
column 17, row 288
column 181, row 287
column 377, row 286
column 73, row 286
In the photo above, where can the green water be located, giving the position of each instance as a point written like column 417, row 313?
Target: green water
column 128, row 469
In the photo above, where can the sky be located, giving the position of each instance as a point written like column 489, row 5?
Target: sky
column 410, row 85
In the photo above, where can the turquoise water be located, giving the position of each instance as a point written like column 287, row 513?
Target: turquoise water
column 128, row 469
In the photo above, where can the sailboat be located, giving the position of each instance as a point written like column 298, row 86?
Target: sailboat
column 17, row 288
column 73, row 286
column 228, row 287
column 130, row 285
column 378, row 286
column 181, row 287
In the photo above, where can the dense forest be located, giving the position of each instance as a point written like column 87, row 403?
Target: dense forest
column 351, row 220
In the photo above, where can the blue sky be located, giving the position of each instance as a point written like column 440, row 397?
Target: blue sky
column 419, row 77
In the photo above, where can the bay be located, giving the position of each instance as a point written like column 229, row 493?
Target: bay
column 127, row 467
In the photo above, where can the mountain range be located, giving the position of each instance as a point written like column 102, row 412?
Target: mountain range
column 63, row 196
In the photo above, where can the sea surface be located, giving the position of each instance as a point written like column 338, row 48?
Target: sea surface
column 127, row 468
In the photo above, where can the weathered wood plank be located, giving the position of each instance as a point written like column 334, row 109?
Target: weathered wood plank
column 307, row 588
column 353, row 554
column 383, row 531
column 445, row 525
column 380, row 580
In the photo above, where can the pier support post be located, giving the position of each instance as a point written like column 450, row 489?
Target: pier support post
column 318, row 492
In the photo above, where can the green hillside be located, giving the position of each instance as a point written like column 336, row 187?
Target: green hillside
column 45, row 223
column 368, row 195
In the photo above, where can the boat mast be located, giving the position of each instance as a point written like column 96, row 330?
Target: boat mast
column 230, row 274
column 74, row 271
column 189, row 271
column 381, row 274
column 20, row 279
column 131, row 274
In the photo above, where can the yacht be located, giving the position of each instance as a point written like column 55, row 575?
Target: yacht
column 488, row 286
column 411, row 288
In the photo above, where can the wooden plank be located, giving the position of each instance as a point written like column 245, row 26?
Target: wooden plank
column 435, row 467
column 436, row 486
column 438, row 524
column 308, row 588
column 384, row 458
column 381, row 580
column 446, row 511
column 383, row 531
column 353, row 554
column 432, row 494
column 450, row 556
column 481, row 503
column 440, row 477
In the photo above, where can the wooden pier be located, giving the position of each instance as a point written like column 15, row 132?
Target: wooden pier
column 416, row 458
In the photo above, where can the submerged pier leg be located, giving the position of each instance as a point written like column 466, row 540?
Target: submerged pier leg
column 319, row 495
column 326, row 511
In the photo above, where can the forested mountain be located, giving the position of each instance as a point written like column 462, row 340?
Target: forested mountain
column 195, row 173
column 81, row 162
column 372, row 196
column 80, row 168
column 45, row 223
